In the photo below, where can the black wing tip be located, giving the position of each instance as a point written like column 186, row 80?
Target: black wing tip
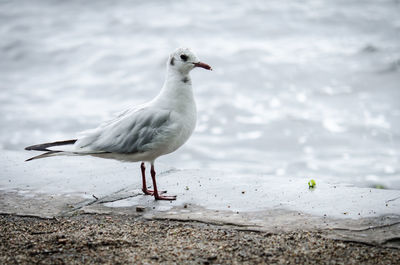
column 38, row 147
column 43, row 155
column 29, row 148
column 43, row 147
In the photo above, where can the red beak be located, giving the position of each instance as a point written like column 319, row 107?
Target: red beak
column 202, row 65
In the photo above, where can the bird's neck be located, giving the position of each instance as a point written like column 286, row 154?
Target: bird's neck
column 177, row 88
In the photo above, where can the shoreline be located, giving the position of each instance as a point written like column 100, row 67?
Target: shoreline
column 93, row 239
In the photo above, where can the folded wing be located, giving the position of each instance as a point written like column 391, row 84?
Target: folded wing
column 134, row 131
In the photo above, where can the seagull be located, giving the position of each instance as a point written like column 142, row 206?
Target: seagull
column 145, row 132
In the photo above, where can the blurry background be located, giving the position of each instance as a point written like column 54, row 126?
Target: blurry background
column 299, row 88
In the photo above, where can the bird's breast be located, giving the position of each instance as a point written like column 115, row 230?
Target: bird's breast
column 185, row 119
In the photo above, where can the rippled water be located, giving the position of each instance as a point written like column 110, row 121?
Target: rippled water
column 309, row 88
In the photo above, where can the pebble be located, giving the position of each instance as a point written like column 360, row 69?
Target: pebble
column 140, row 209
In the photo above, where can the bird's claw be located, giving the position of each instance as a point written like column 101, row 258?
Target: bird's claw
column 151, row 192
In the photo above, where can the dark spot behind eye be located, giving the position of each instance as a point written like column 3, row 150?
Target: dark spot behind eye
column 184, row 57
column 172, row 61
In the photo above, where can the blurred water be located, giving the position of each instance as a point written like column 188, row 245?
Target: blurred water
column 299, row 88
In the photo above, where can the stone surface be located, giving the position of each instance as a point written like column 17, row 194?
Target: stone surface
column 64, row 186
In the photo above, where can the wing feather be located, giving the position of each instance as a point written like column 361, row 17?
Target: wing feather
column 132, row 132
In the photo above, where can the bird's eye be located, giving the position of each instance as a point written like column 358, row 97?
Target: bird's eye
column 184, row 57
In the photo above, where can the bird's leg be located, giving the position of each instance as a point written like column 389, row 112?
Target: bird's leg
column 144, row 186
column 156, row 195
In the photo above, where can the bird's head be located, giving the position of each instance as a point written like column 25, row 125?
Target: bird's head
column 184, row 60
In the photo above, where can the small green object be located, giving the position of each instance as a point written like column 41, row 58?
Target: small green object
column 311, row 184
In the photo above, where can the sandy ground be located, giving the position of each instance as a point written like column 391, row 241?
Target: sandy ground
column 94, row 239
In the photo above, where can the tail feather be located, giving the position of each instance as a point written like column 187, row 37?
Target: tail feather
column 43, row 155
column 43, row 147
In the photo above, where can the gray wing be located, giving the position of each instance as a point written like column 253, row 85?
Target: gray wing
column 131, row 132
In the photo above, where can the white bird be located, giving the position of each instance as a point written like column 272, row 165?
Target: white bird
column 145, row 132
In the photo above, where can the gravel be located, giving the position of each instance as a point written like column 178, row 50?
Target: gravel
column 94, row 239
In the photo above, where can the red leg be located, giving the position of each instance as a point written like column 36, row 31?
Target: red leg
column 156, row 195
column 144, row 186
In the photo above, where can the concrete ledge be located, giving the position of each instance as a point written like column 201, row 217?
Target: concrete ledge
column 70, row 185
